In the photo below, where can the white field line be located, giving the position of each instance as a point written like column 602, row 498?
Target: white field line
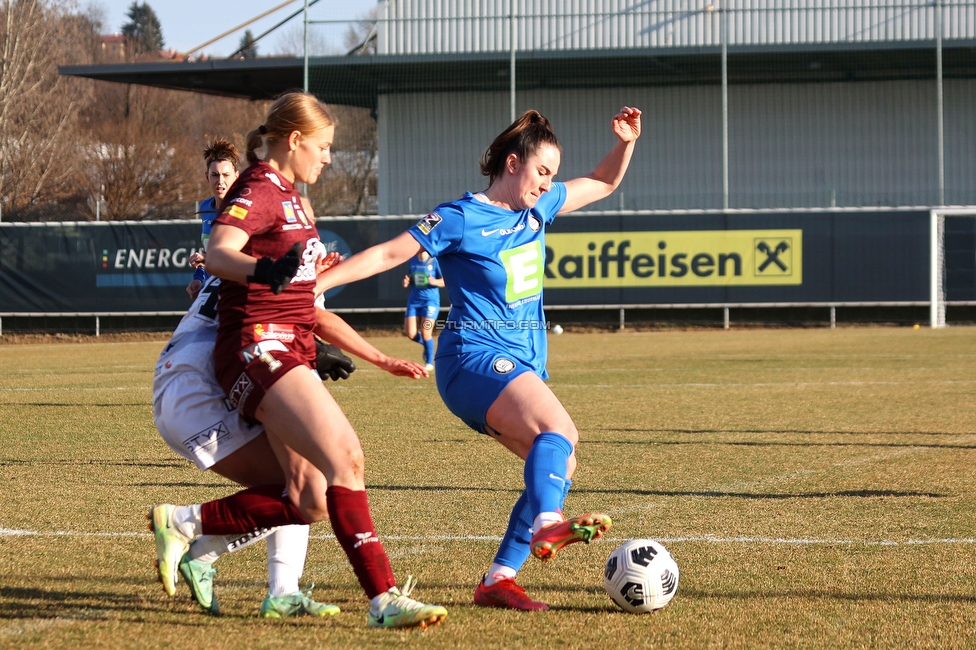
column 709, row 539
column 556, row 383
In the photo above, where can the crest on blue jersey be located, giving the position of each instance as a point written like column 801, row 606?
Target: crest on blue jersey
column 429, row 222
column 503, row 366
column 535, row 223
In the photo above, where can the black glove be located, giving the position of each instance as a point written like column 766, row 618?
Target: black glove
column 277, row 273
column 332, row 362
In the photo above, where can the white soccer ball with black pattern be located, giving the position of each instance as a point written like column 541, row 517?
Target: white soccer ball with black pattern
column 641, row 576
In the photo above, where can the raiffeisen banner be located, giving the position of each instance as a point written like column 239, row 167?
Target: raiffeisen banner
column 802, row 257
column 681, row 258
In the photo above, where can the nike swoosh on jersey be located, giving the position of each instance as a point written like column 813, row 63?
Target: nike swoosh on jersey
column 486, row 233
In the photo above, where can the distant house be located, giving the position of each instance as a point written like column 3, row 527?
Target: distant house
column 113, row 48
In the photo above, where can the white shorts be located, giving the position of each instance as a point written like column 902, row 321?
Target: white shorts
column 197, row 421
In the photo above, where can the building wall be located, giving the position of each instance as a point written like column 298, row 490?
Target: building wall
column 790, row 145
column 451, row 26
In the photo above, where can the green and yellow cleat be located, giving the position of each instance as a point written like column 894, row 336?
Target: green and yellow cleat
column 199, row 578
column 397, row 610
column 295, row 604
column 171, row 544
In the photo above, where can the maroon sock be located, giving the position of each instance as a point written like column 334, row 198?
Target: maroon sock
column 264, row 506
column 353, row 527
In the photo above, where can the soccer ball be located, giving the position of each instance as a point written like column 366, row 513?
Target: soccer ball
column 641, row 576
column 557, row 329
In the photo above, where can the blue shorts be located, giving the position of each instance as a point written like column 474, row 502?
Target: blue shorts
column 469, row 383
column 423, row 309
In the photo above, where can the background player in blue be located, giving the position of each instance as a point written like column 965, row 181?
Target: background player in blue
column 223, row 168
column 491, row 356
column 423, row 305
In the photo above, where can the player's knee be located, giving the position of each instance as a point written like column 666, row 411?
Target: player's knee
column 348, row 469
column 311, row 502
column 571, row 465
column 568, row 430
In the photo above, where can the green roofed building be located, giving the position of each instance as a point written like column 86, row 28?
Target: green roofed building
column 747, row 104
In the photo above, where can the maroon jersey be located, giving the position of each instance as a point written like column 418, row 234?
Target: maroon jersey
column 267, row 207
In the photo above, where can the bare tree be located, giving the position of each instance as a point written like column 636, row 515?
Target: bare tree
column 360, row 37
column 349, row 186
column 38, row 135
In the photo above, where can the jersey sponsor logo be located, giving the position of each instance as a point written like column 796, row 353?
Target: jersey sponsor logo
column 504, row 231
column 535, row 223
column 274, row 179
column 503, row 366
column 274, row 332
column 524, row 269
column 289, row 211
column 314, row 249
column 240, row 390
column 236, row 211
column 292, row 226
column 242, row 201
column 208, row 439
column 429, row 222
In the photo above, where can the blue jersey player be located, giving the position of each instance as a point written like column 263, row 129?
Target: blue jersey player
column 223, row 168
column 491, row 357
column 424, row 279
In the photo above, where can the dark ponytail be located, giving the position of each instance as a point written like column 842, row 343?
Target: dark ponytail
column 523, row 138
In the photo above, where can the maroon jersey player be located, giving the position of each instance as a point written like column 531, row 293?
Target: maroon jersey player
column 266, row 256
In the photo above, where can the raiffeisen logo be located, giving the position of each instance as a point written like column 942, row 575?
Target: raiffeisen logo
column 674, row 258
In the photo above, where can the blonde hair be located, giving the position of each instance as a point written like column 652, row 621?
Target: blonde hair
column 293, row 111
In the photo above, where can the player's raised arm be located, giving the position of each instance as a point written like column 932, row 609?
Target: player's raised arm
column 607, row 175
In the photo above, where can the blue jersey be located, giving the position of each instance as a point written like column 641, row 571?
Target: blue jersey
column 493, row 262
column 420, row 274
column 208, row 212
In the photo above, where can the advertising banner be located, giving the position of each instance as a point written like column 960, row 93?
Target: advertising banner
column 606, row 259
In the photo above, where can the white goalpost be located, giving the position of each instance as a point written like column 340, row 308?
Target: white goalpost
column 937, row 265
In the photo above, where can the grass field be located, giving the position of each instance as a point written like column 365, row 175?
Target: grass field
column 815, row 487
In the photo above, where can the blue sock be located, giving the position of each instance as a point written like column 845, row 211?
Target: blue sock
column 514, row 549
column 545, row 472
column 418, row 338
column 562, row 501
column 429, row 351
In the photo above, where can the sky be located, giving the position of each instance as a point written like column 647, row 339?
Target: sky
column 187, row 24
